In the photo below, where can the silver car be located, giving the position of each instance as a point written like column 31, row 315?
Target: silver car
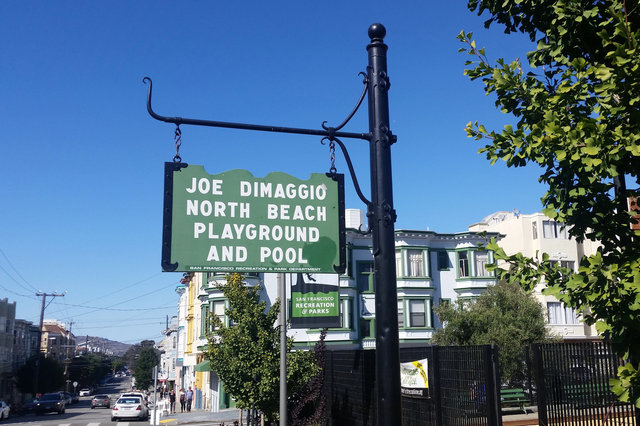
column 129, row 407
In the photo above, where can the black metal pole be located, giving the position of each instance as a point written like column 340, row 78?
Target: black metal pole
column 382, row 216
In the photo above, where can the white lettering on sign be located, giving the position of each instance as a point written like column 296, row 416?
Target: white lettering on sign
column 227, row 254
column 278, row 254
column 205, row 186
column 238, row 231
column 288, row 191
column 282, row 212
column 218, row 209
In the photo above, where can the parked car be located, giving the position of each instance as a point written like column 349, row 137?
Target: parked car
column 85, row 392
column 68, row 399
column 4, row 410
column 30, row 405
column 101, row 401
column 129, row 407
column 50, row 402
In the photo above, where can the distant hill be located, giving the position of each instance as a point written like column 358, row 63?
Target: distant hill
column 101, row 345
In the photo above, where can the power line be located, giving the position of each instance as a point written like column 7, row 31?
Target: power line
column 17, row 273
column 110, row 308
column 116, row 309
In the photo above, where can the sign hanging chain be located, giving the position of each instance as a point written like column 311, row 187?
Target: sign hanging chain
column 178, row 140
column 332, row 157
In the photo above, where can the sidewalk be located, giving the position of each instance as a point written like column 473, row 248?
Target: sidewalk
column 228, row 416
column 201, row 417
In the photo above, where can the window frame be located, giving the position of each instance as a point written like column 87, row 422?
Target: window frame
column 425, row 314
column 360, row 272
column 472, row 263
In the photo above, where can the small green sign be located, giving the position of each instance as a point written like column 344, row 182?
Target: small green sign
column 314, row 304
column 234, row 221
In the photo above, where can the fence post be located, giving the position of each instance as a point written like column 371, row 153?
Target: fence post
column 492, row 384
column 540, row 385
column 437, row 397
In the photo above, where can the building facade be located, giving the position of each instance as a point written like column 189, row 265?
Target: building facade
column 7, row 324
column 535, row 234
column 56, row 341
column 432, row 268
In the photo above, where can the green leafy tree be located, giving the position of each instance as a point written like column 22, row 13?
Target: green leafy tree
column 133, row 353
column 117, row 364
column 50, row 375
column 578, row 118
column 89, row 369
column 143, row 370
column 503, row 315
column 246, row 354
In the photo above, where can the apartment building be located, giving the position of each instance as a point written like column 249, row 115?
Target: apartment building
column 532, row 235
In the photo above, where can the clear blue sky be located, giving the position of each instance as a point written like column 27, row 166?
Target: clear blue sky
column 82, row 161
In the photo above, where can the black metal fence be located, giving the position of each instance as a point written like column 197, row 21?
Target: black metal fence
column 469, row 385
column 572, row 384
column 463, row 387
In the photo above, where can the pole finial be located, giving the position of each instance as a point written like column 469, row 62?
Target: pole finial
column 377, row 32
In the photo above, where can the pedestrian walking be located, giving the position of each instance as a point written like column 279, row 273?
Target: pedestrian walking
column 183, row 400
column 172, row 401
column 189, row 399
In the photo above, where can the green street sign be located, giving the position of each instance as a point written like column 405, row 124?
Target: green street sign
column 235, row 222
column 315, row 303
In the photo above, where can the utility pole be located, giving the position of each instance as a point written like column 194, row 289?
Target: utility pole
column 39, row 351
column 67, row 361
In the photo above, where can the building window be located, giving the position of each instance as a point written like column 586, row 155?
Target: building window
column 463, row 264
column 400, row 313
column 553, row 229
column 559, row 313
column 554, row 312
column 417, row 313
column 218, row 310
column 415, row 263
column 481, row 260
column 205, row 324
column 569, row 264
column 534, row 230
column 570, row 315
column 365, row 277
column 398, row 263
column 443, row 260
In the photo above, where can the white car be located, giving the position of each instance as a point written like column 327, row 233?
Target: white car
column 4, row 410
column 85, row 392
column 135, row 393
column 129, row 407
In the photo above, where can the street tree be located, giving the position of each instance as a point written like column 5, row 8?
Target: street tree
column 50, row 375
column 577, row 109
column 504, row 315
column 89, row 369
column 143, row 370
column 133, row 353
column 245, row 354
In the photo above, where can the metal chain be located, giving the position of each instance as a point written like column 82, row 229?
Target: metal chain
column 332, row 156
column 178, row 138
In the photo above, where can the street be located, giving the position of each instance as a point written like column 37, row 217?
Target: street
column 80, row 412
